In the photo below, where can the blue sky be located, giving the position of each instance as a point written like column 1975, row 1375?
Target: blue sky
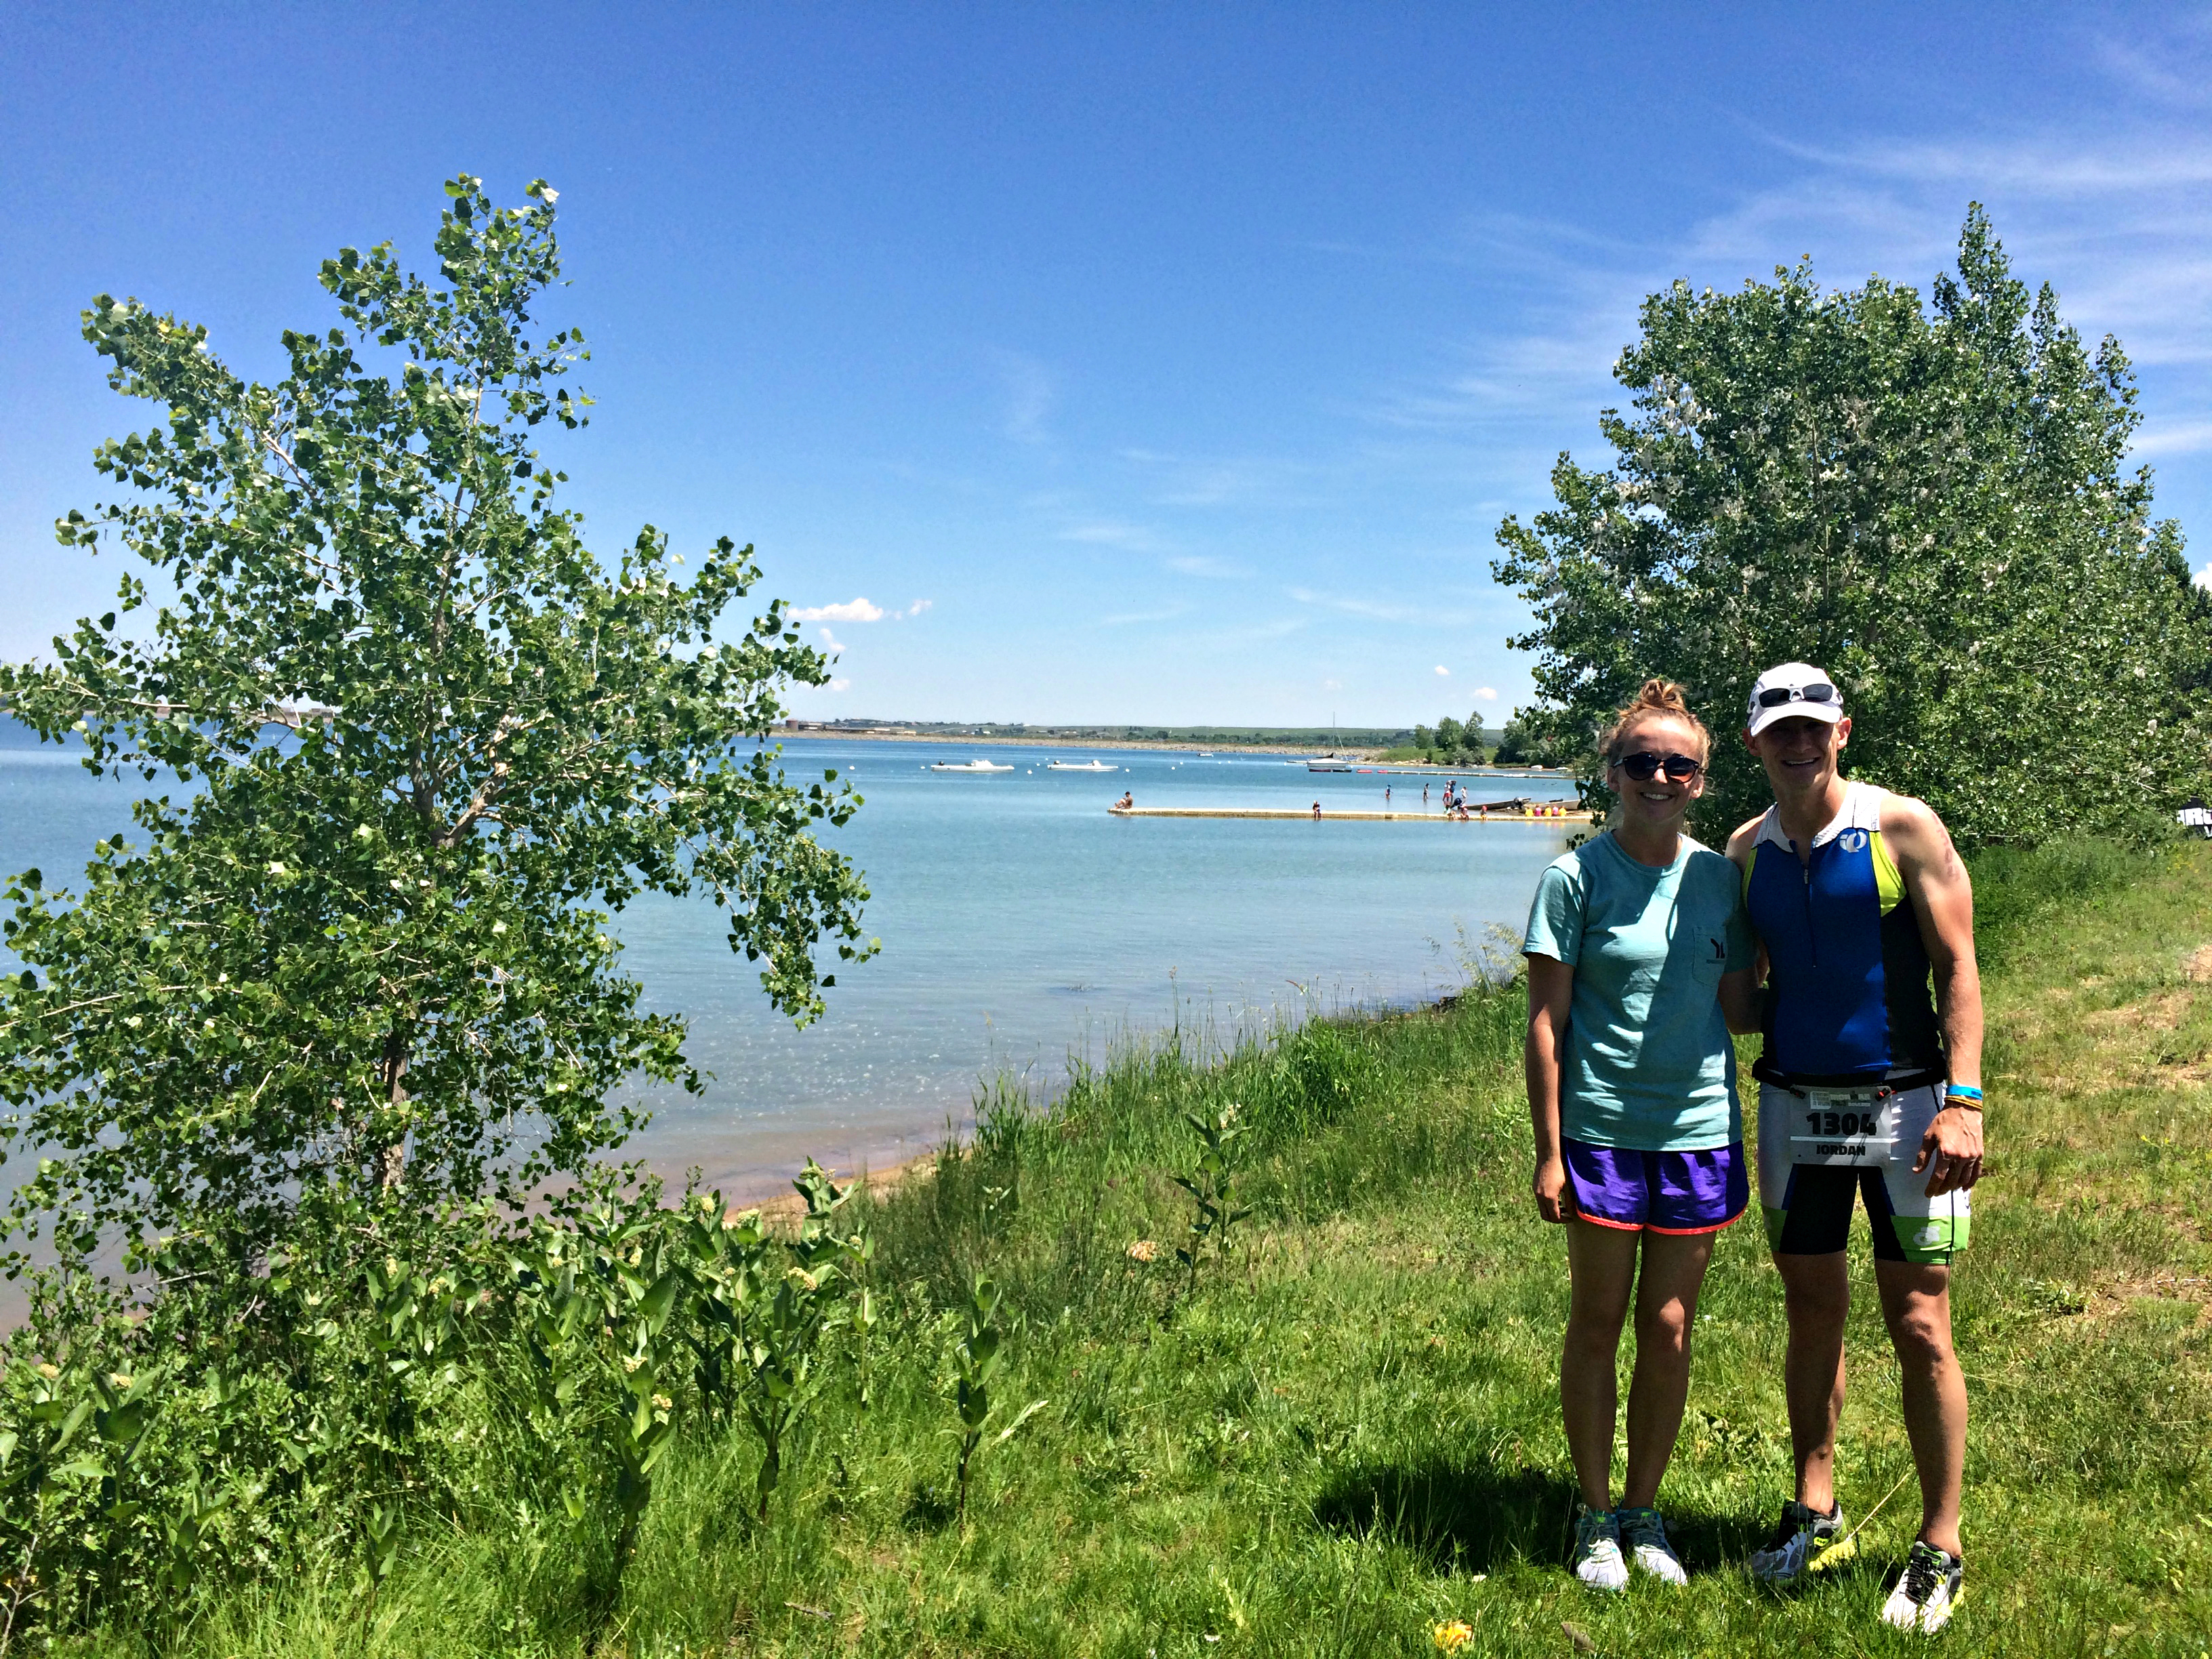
column 1165, row 363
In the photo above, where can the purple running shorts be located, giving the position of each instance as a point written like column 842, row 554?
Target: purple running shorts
column 1667, row 1192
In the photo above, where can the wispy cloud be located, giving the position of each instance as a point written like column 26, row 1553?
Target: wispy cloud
column 2174, row 438
column 1380, row 611
column 1027, row 385
column 853, row 611
column 1237, row 481
column 1443, row 671
column 829, row 639
column 1487, row 693
column 1127, row 617
column 1206, row 565
column 1109, row 533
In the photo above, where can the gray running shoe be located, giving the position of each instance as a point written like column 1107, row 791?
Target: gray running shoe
column 1933, row 1584
column 1596, row 1559
column 1805, row 1541
column 1643, row 1538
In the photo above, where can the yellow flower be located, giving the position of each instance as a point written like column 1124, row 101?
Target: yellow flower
column 1144, row 1250
column 1453, row 1635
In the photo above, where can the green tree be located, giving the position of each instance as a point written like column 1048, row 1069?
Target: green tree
column 429, row 739
column 1929, row 501
column 1449, row 739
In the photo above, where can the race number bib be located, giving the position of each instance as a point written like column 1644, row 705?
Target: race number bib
column 1843, row 1125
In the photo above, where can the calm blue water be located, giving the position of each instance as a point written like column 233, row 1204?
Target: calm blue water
column 1020, row 925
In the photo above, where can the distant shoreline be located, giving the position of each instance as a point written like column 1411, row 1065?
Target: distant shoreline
column 1010, row 740
column 1183, row 745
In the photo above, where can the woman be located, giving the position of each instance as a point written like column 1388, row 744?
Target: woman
column 1640, row 963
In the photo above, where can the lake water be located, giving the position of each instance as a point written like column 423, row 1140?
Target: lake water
column 1021, row 924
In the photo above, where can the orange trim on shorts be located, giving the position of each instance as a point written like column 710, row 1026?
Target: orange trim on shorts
column 1580, row 1214
column 1693, row 1232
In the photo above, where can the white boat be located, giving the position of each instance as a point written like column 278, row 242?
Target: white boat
column 968, row 766
column 1080, row 766
column 1328, row 763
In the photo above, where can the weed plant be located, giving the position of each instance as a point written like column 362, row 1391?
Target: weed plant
column 1342, row 1450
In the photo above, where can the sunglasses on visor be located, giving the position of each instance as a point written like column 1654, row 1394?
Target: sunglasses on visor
column 1643, row 765
column 1820, row 691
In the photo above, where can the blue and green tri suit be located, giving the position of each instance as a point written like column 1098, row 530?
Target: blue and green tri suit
column 1853, row 1067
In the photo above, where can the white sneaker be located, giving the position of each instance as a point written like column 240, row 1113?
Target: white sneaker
column 1931, row 1591
column 1596, row 1559
column 1805, row 1541
column 1643, row 1536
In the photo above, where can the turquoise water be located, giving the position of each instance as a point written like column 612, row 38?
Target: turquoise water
column 1021, row 924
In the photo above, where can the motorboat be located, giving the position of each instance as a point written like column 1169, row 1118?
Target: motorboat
column 1080, row 766
column 978, row 765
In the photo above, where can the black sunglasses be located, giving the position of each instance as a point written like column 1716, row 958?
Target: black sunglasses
column 1820, row 691
column 1643, row 765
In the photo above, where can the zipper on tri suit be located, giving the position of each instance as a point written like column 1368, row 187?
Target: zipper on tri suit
column 1812, row 940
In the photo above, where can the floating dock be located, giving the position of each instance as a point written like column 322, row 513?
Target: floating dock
column 1537, row 812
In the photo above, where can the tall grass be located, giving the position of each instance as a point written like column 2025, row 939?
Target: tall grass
column 1349, row 1433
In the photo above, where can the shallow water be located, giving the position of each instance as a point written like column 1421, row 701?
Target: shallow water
column 1020, row 924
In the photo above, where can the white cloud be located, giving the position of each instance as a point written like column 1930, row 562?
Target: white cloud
column 1110, row 533
column 2173, row 438
column 1487, row 693
column 839, row 685
column 1028, row 386
column 1124, row 619
column 1443, row 671
column 854, row 611
column 1199, row 564
column 830, row 640
column 1422, row 616
column 2204, row 577
column 914, row 610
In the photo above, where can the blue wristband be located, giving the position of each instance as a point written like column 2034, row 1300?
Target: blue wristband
column 1965, row 1091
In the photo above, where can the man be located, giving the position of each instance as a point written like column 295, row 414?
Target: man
column 1870, row 1084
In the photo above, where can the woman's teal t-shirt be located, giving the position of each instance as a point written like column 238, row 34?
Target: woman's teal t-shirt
column 1648, row 1063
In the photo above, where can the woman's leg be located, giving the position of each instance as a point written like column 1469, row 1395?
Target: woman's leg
column 1666, row 1309
column 1601, row 1268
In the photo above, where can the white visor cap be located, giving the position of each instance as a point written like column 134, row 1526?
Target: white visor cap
column 1793, row 690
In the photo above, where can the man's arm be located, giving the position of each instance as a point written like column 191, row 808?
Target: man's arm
column 1550, row 989
column 1743, row 995
column 1942, row 899
column 1743, row 1000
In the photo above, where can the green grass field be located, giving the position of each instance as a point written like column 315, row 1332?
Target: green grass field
column 1348, row 1431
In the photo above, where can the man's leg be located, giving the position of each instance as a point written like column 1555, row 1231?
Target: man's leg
column 1816, row 1295
column 1665, row 1312
column 1601, row 1263
column 1916, row 1302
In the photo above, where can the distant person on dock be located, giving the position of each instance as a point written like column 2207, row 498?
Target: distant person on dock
column 1871, row 1084
column 1316, row 812
column 1641, row 962
column 1128, row 800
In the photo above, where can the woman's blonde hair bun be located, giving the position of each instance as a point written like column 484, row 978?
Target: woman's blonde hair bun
column 1658, row 699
